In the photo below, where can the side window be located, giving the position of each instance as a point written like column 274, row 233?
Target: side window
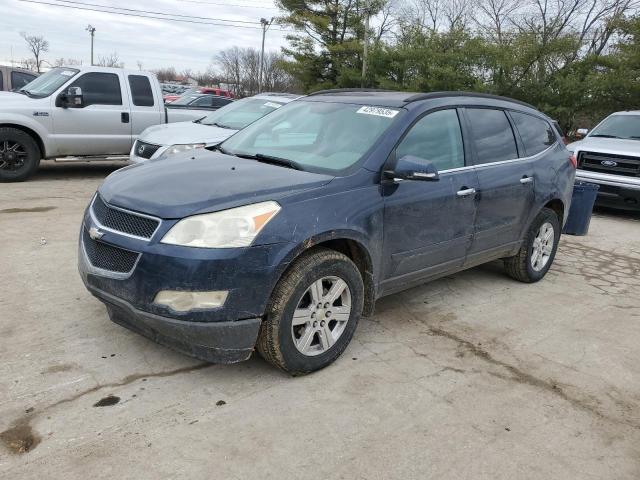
column 219, row 101
column 1, row 80
column 202, row 101
column 141, row 92
column 20, row 79
column 437, row 138
column 536, row 134
column 100, row 88
column 492, row 135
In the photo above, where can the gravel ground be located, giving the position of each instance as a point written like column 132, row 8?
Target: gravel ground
column 472, row 376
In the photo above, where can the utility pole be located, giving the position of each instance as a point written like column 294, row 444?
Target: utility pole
column 265, row 26
column 366, row 42
column 92, row 31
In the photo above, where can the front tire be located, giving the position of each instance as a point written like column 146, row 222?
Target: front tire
column 19, row 155
column 538, row 250
column 313, row 313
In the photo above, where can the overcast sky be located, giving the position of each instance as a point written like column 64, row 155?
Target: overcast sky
column 155, row 43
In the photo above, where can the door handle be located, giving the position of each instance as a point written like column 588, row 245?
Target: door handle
column 124, row 117
column 465, row 192
column 525, row 180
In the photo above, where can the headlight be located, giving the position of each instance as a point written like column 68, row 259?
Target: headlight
column 236, row 227
column 173, row 149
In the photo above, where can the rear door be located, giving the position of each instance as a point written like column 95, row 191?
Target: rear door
column 428, row 226
column 147, row 106
column 506, row 183
column 102, row 126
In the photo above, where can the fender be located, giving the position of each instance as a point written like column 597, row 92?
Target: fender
column 24, row 122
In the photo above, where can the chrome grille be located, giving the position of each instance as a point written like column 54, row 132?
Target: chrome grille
column 122, row 221
column 609, row 163
column 144, row 149
column 108, row 257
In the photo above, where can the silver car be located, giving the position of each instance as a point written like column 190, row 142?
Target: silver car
column 161, row 141
column 609, row 155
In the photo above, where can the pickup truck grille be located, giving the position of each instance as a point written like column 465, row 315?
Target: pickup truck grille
column 108, row 257
column 609, row 163
column 144, row 149
column 122, row 221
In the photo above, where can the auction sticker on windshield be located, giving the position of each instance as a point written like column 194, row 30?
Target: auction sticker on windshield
column 378, row 111
column 272, row 105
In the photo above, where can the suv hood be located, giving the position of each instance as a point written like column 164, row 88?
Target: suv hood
column 202, row 182
column 606, row 145
column 185, row 132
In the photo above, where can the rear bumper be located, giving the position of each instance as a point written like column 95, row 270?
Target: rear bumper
column 616, row 191
column 216, row 342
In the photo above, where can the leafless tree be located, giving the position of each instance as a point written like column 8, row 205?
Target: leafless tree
column 139, row 63
column 110, row 60
column 66, row 62
column 38, row 45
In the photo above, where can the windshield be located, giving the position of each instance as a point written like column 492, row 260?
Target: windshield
column 185, row 99
column 317, row 136
column 49, row 82
column 237, row 115
column 619, row 126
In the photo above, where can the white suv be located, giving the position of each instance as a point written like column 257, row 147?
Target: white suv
column 161, row 141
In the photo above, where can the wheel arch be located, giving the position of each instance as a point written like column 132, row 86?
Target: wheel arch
column 557, row 206
column 349, row 245
column 32, row 133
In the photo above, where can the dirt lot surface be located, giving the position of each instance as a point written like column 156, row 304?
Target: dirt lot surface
column 473, row 376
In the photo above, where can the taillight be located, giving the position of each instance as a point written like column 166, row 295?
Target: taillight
column 574, row 161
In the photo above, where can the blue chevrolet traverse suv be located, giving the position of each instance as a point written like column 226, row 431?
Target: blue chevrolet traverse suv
column 287, row 233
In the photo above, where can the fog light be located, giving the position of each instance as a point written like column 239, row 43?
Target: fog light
column 185, row 301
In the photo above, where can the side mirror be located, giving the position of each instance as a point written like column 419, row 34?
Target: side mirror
column 72, row 98
column 411, row 167
column 582, row 132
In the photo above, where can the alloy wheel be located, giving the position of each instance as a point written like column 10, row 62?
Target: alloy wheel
column 321, row 316
column 542, row 247
column 12, row 155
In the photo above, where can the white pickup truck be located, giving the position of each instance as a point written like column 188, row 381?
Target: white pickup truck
column 86, row 112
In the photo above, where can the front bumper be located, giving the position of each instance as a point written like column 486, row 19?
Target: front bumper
column 216, row 342
column 616, row 191
column 225, row 334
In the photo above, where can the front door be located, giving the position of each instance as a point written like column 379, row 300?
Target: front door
column 506, row 183
column 428, row 225
column 102, row 126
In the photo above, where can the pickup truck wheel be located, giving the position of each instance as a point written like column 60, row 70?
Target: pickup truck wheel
column 313, row 313
column 19, row 155
column 533, row 260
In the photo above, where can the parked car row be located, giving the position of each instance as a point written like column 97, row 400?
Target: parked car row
column 281, row 237
column 220, row 92
column 84, row 112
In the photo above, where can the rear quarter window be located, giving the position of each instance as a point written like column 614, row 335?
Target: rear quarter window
column 141, row 92
column 536, row 134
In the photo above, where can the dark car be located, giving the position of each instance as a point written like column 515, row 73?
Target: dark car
column 200, row 101
column 283, row 238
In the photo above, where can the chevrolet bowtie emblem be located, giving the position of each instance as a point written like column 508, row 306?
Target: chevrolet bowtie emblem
column 95, row 234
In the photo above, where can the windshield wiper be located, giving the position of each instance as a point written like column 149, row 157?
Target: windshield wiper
column 604, row 135
column 260, row 157
column 215, row 124
column 26, row 92
column 222, row 150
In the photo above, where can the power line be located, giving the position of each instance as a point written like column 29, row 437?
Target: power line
column 156, row 13
column 183, row 20
column 202, row 2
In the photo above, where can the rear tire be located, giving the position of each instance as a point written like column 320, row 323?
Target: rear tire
column 19, row 155
column 323, row 325
column 539, row 247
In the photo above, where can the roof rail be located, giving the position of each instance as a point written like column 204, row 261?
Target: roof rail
column 348, row 90
column 426, row 96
